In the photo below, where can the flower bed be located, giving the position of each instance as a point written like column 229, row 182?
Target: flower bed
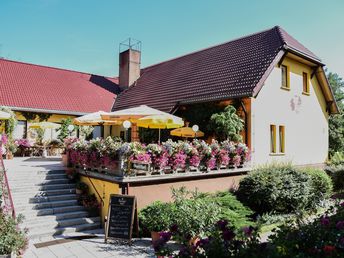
column 168, row 157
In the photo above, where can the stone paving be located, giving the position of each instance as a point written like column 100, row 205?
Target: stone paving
column 94, row 247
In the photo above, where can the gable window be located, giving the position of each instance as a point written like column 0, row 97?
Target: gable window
column 285, row 77
column 305, row 83
column 272, row 138
column 282, row 139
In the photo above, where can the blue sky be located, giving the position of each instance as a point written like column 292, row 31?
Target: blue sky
column 84, row 35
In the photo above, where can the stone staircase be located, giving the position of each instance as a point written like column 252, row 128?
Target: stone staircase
column 48, row 201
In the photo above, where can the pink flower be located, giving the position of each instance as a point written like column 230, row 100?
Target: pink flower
column 211, row 163
column 236, row 160
column 179, row 160
column 144, row 158
column 195, row 160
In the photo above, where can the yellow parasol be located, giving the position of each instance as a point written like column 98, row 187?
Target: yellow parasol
column 186, row 132
column 44, row 125
column 4, row 115
column 162, row 121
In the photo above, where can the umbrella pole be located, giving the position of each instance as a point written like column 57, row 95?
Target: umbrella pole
column 159, row 136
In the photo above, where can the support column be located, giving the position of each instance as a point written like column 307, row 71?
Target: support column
column 134, row 133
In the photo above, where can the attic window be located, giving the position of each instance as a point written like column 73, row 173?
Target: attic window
column 305, row 83
column 285, row 77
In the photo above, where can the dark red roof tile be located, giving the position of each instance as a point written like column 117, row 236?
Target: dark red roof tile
column 31, row 86
column 225, row 71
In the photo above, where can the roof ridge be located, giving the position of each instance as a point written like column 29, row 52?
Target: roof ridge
column 55, row 68
column 210, row 47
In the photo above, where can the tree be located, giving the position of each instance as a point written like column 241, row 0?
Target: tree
column 336, row 122
column 64, row 132
column 228, row 124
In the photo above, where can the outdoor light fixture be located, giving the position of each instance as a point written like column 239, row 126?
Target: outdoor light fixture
column 126, row 125
column 195, row 128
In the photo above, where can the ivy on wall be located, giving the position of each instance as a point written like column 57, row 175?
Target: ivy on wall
column 11, row 123
column 31, row 116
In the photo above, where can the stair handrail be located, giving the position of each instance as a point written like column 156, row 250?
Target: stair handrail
column 6, row 191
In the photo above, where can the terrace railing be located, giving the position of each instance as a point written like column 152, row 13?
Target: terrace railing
column 7, row 205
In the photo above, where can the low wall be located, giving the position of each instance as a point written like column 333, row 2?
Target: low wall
column 146, row 194
column 104, row 188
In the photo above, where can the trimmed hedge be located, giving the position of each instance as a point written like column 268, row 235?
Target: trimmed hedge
column 337, row 175
column 282, row 188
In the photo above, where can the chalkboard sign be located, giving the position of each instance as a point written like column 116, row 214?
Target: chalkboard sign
column 120, row 220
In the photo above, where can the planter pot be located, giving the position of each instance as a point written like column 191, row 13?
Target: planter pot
column 12, row 255
column 65, row 160
column 194, row 240
column 9, row 155
column 155, row 236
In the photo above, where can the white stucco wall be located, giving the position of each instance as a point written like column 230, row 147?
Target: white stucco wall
column 304, row 118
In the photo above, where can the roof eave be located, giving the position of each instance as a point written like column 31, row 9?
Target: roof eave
column 302, row 54
column 49, row 111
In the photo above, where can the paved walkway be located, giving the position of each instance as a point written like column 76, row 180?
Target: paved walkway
column 91, row 247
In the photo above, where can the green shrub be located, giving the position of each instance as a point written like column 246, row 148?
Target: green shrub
column 231, row 209
column 321, row 183
column 276, row 188
column 156, row 217
column 337, row 159
column 337, row 175
column 11, row 238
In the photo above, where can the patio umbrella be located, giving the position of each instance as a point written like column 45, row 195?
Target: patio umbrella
column 186, row 132
column 162, row 121
column 94, row 119
column 132, row 114
column 4, row 115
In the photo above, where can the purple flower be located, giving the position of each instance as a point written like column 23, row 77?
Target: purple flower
column 325, row 221
column 211, row 163
column 342, row 204
column 195, row 160
column 222, row 224
column 166, row 236
column 340, row 224
column 203, row 242
column 248, row 231
column 228, row 235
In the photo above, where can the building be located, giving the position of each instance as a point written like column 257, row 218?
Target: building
column 280, row 84
column 51, row 93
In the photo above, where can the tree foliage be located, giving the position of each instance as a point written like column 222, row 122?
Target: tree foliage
column 227, row 124
column 336, row 122
column 63, row 130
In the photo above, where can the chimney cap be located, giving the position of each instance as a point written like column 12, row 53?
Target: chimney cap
column 130, row 43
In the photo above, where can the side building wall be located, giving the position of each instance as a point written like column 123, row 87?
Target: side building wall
column 304, row 117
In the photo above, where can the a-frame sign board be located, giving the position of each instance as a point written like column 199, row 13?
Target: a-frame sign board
column 120, row 220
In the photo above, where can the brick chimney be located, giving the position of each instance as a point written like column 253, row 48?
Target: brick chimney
column 129, row 63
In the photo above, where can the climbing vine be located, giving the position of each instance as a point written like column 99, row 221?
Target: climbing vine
column 11, row 123
column 31, row 116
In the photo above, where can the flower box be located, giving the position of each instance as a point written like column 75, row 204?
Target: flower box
column 138, row 168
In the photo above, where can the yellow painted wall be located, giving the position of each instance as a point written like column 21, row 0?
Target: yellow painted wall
column 55, row 118
column 304, row 117
column 104, row 189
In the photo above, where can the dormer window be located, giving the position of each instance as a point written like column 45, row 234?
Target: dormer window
column 305, row 83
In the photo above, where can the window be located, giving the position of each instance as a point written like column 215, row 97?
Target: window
column 285, row 79
column 272, row 138
column 305, row 83
column 282, row 138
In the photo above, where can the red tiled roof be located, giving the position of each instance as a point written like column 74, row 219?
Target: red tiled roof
column 30, row 86
column 225, row 71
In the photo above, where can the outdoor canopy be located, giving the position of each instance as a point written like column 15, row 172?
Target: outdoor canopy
column 186, row 132
column 94, row 119
column 4, row 115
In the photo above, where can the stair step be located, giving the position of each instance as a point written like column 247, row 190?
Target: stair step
column 57, row 216
column 53, row 198
column 43, row 187
column 53, row 224
column 63, row 230
column 38, row 182
column 50, row 211
column 21, row 195
column 45, row 205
